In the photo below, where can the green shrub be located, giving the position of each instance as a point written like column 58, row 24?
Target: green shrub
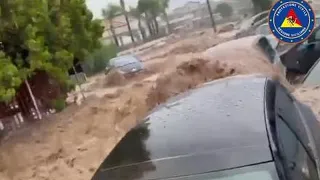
column 59, row 104
column 99, row 59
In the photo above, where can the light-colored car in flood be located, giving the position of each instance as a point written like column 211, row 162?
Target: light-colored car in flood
column 278, row 45
column 126, row 64
column 248, row 26
column 250, row 54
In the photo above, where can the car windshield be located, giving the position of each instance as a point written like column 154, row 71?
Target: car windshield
column 313, row 76
column 123, row 60
column 262, row 172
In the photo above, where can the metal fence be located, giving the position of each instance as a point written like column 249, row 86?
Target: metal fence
column 78, row 78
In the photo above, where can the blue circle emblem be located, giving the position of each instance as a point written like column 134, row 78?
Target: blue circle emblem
column 291, row 21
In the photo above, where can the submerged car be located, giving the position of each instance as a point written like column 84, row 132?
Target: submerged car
column 127, row 64
column 249, row 26
column 263, row 29
column 242, row 127
column 248, row 54
column 278, row 45
column 299, row 59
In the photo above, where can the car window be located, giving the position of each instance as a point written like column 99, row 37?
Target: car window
column 292, row 140
column 313, row 76
column 297, row 162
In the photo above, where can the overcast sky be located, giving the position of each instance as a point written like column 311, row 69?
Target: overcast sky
column 96, row 5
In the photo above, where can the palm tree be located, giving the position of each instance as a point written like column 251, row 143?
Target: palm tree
column 261, row 5
column 144, row 7
column 164, row 5
column 211, row 16
column 155, row 9
column 125, row 13
column 109, row 13
column 138, row 15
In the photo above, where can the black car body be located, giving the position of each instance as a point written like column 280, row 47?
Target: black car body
column 244, row 127
column 299, row 58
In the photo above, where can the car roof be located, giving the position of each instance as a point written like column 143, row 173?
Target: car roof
column 243, row 43
column 131, row 56
column 218, row 126
column 125, row 59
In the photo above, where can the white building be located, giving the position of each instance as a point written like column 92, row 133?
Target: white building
column 121, row 29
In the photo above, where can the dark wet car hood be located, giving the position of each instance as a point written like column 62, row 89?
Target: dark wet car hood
column 220, row 125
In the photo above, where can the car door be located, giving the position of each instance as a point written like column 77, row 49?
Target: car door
column 301, row 57
column 294, row 140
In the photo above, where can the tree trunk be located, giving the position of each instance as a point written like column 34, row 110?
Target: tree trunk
column 33, row 99
column 211, row 16
column 156, row 25
column 167, row 21
column 114, row 34
column 127, row 19
column 153, row 28
column 148, row 24
column 129, row 26
column 141, row 29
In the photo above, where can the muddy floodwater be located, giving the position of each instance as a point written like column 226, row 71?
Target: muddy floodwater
column 72, row 144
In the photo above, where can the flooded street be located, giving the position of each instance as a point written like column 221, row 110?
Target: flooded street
column 74, row 143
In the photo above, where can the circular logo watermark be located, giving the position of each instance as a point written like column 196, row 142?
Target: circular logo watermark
column 291, row 21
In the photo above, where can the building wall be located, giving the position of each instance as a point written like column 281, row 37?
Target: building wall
column 189, row 6
column 122, row 31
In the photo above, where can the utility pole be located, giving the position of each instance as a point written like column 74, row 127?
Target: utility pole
column 211, row 16
column 33, row 99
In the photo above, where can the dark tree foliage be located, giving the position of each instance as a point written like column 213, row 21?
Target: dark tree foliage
column 43, row 35
column 224, row 9
column 261, row 5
